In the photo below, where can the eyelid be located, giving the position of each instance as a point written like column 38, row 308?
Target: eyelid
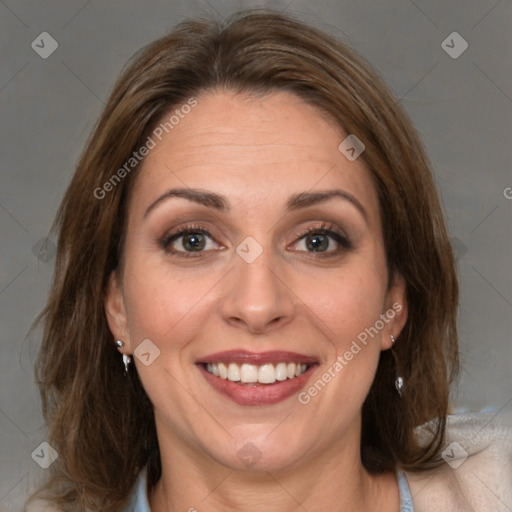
column 167, row 239
column 326, row 228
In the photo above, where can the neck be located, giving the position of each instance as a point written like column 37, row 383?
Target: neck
column 332, row 480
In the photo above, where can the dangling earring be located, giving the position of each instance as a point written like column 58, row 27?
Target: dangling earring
column 399, row 381
column 126, row 359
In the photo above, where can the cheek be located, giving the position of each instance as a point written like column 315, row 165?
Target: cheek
column 164, row 305
column 348, row 303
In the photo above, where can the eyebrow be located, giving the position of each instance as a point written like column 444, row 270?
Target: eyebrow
column 220, row 203
column 209, row 199
column 306, row 199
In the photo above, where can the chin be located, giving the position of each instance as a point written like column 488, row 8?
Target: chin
column 260, row 452
column 250, row 458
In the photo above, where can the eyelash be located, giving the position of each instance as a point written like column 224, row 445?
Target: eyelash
column 190, row 229
column 324, row 229
column 329, row 230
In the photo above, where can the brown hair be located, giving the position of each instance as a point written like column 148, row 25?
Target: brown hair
column 100, row 422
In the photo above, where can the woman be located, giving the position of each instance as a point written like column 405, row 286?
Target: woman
column 254, row 304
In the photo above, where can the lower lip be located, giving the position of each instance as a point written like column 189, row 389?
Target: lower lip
column 262, row 394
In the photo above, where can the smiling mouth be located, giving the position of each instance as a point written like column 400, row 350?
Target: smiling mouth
column 254, row 375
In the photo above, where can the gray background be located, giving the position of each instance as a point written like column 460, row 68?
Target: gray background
column 462, row 108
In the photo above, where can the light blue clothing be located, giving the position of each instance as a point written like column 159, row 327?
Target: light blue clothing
column 406, row 504
column 139, row 499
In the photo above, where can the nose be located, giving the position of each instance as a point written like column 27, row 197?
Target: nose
column 257, row 297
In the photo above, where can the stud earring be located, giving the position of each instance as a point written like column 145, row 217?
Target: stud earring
column 399, row 381
column 126, row 359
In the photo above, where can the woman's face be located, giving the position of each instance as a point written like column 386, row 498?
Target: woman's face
column 281, row 272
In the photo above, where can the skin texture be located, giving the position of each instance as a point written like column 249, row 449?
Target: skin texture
column 257, row 152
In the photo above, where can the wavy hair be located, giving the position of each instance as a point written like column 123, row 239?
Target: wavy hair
column 100, row 422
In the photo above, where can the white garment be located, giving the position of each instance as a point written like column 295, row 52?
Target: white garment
column 482, row 482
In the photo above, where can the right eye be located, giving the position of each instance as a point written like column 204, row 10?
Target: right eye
column 189, row 240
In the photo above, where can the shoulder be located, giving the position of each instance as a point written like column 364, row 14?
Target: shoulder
column 137, row 501
column 477, row 472
column 40, row 505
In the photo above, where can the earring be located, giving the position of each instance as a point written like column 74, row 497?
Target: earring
column 126, row 359
column 399, row 381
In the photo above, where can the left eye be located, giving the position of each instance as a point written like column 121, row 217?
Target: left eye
column 320, row 241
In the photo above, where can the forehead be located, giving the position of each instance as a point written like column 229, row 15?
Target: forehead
column 256, row 147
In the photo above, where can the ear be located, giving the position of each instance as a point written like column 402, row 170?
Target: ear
column 395, row 311
column 115, row 312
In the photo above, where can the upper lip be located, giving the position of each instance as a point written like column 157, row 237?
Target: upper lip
column 257, row 358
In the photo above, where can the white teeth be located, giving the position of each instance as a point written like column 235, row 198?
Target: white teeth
column 281, row 371
column 300, row 369
column 223, row 370
column 233, row 372
column 250, row 373
column 267, row 374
